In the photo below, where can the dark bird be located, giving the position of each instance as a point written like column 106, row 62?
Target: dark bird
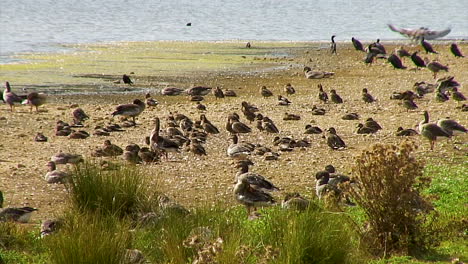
column 367, row 97
column 431, row 131
column 318, row 111
column 456, row 95
column 289, row 89
column 161, row 143
column 350, row 116
column 251, row 189
column 377, row 47
column 418, row 61
column 456, row 50
column 357, row 44
column 333, row 45
column 406, row 132
column 334, row 141
column 10, row 97
column 309, row 129
column 130, row 110
column 335, row 98
column 79, row 116
column 36, row 99
column 435, row 67
column 361, row 129
column 323, row 96
column 265, row 92
column 427, row 46
column 21, row 214
column 370, row 122
column 283, row 100
column 248, row 45
column 198, row 90
column 451, row 126
column 189, row 24
column 441, row 96
column 409, row 104
column 150, row 102
column 126, row 79
column 218, row 93
column 369, row 59
column 396, row 62
column 208, row 126
column 403, row 53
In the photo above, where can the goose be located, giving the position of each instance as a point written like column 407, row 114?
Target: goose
column 265, row 92
column 403, row 53
column 333, row 45
column 218, row 93
column 108, row 150
column 229, row 93
column 310, row 74
column 200, row 107
column 238, row 150
column 65, row 158
column 283, row 100
column 251, row 189
column 396, row 62
column 16, row 214
column 40, row 137
column 418, row 61
column 335, row 98
column 238, row 127
column 423, row 88
column 431, row 131
column 10, row 97
column 309, row 129
column 208, row 126
column 79, row 115
column 130, row 110
column 126, row 79
column 435, row 67
column 50, row 226
column 196, row 98
column 196, row 148
column 171, row 91
column 35, row 99
column 150, row 102
column 357, row 44
column 336, row 178
column 288, row 116
column 367, row 97
column 289, row 89
column 441, row 96
column 456, row 95
column 55, row 176
column 248, row 111
column 131, row 154
column 317, row 111
column 158, row 142
column 334, row 141
column 248, row 45
column 450, row 126
column 379, row 47
column 427, row 46
column 198, row 90
column 269, row 126
column 323, row 96
column 372, row 124
column 361, row 129
column 148, row 156
column 446, row 83
column 370, row 55
column 456, row 50
column 406, row 132
column 259, row 124
column 409, row 104
column 79, row 135
column 321, row 185
column 295, row 201
column 350, row 116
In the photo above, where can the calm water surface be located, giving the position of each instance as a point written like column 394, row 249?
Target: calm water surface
column 42, row 25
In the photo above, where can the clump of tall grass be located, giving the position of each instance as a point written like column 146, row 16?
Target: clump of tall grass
column 227, row 236
column 388, row 191
column 122, row 192
column 89, row 238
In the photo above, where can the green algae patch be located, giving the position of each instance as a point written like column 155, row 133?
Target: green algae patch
column 98, row 64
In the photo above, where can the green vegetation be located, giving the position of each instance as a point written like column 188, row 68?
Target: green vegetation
column 104, row 219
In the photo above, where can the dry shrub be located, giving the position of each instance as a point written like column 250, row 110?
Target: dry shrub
column 387, row 177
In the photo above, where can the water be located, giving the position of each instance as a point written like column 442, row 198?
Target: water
column 43, row 25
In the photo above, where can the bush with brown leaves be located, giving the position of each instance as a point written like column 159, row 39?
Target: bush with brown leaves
column 387, row 177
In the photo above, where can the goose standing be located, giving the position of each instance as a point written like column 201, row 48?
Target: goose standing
column 335, row 98
column 126, row 79
column 158, row 142
column 323, row 96
column 427, row 47
column 10, row 97
column 357, row 44
column 333, row 45
column 265, row 92
column 130, row 110
column 396, row 62
column 431, row 131
column 238, row 150
column 435, row 67
column 35, row 99
column 418, row 61
column 455, row 50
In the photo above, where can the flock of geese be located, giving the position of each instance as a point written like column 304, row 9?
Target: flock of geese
column 251, row 189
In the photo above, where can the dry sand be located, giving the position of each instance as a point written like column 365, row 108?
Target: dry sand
column 194, row 180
